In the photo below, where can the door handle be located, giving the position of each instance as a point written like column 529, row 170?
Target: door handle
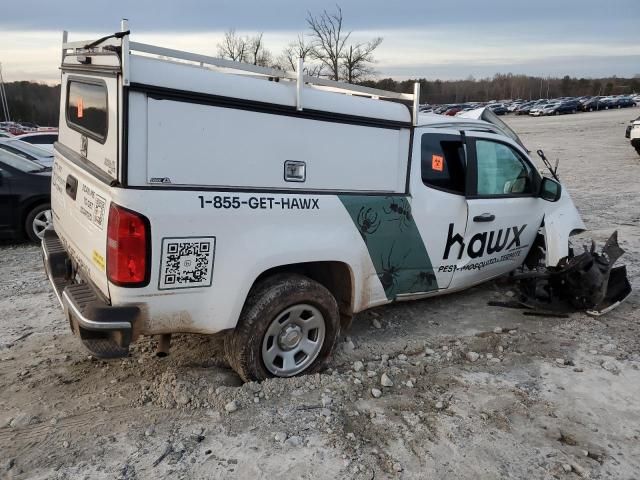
column 485, row 217
column 72, row 186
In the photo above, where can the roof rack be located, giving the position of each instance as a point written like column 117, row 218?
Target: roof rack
column 231, row 66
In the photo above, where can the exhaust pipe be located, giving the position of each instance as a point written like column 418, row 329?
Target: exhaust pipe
column 164, row 344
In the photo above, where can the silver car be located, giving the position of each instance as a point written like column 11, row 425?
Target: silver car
column 27, row 150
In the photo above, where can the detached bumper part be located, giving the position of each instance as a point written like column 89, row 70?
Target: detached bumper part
column 90, row 316
column 585, row 282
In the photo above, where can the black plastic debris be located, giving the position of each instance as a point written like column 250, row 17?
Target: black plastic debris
column 585, row 282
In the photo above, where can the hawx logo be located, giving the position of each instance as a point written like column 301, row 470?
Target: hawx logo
column 491, row 242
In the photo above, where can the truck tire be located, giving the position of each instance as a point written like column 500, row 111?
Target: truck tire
column 289, row 325
column 38, row 220
column 104, row 348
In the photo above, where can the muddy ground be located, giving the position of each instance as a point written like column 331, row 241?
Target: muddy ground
column 547, row 397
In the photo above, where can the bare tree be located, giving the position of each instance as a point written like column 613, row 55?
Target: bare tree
column 300, row 48
column 244, row 49
column 329, row 40
column 258, row 54
column 233, row 47
column 357, row 59
column 330, row 46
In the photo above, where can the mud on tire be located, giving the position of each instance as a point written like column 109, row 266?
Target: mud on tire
column 266, row 301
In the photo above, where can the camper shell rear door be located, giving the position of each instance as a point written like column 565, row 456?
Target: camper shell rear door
column 86, row 159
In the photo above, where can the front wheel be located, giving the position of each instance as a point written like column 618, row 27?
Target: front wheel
column 288, row 326
column 38, row 221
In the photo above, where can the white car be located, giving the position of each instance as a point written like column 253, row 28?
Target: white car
column 294, row 205
column 44, row 140
column 27, row 150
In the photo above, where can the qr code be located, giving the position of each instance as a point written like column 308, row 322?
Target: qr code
column 98, row 210
column 187, row 262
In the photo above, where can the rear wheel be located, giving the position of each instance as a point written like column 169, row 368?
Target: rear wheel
column 288, row 326
column 38, row 221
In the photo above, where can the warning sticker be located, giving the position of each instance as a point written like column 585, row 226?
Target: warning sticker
column 80, row 108
column 437, row 162
column 186, row 262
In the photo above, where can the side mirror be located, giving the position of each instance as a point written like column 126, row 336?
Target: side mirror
column 550, row 190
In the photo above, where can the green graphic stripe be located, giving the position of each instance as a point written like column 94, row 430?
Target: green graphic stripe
column 394, row 243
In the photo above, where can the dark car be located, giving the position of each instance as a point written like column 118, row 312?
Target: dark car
column 594, row 104
column 623, row 102
column 498, row 109
column 525, row 108
column 568, row 106
column 25, row 195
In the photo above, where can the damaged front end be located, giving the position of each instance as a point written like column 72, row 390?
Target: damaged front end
column 585, row 282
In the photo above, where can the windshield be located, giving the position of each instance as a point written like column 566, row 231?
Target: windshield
column 29, row 148
column 20, row 163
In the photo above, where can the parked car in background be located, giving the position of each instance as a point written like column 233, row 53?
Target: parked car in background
column 42, row 139
column 537, row 110
column 594, row 104
column 624, row 102
column 25, row 195
column 567, row 106
column 498, row 108
column 5, row 134
column 524, row 109
column 27, row 150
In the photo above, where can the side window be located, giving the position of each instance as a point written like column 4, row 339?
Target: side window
column 443, row 162
column 501, row 171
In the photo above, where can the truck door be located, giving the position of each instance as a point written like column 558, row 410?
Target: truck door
column 439, row 205
column 504, row 211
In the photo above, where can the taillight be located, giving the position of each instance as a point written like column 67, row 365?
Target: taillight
column 128, row 248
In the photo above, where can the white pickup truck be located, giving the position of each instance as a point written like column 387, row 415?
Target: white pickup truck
column 196, row 195
column 633, row 134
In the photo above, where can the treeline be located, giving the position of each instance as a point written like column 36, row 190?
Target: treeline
column 508, row 86
column 39, row 103
column 33, row 102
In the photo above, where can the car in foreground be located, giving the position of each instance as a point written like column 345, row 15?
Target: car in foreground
column 27, row 150
column 25, row 196
column 42, row 139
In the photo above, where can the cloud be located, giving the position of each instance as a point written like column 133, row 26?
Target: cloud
column 421, row 38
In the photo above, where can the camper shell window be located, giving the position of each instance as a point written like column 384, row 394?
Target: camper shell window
column 87, row 110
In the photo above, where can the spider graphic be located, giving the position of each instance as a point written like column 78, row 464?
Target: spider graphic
column 402, row 210
column 424, row 279
column 389, row 275
column 368, row 222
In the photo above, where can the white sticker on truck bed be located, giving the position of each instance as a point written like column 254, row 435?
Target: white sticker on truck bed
column 186, row 262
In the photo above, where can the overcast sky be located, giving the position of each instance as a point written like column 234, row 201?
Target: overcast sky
column 422, row 38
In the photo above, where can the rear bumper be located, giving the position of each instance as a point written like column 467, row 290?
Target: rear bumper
column 89, row 315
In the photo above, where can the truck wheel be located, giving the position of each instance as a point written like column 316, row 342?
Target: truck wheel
column 104, row 348
column 38, row 221
column 288, row 326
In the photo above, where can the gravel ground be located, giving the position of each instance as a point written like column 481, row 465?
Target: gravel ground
column 442, row 388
